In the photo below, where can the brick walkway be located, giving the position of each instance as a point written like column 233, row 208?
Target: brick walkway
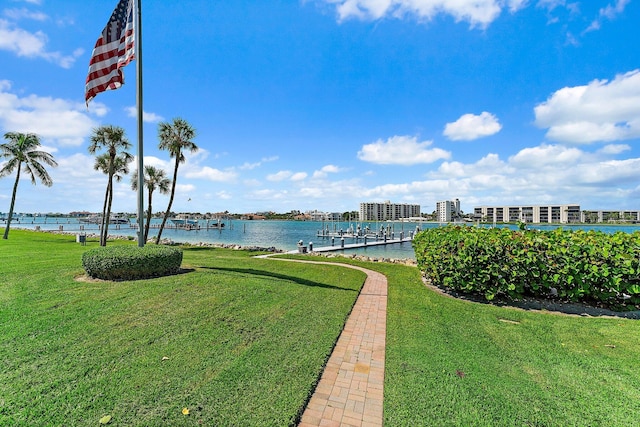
column 350, row 391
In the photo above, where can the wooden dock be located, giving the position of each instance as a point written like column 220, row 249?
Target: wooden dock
column 340, row 246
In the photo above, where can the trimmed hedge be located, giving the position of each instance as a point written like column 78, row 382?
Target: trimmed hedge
column 131, row 262
column 592, row 267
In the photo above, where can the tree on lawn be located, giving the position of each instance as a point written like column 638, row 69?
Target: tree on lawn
column 175, row 137
column 118, row 167
column 114, row 163
column 21, row 152
column 154, row 178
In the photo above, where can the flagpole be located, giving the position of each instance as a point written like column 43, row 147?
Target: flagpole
column 138, row 46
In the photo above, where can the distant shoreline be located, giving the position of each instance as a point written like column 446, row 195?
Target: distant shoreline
column 250, row 248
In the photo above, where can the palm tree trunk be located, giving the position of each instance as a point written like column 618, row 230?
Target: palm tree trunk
column 104, row 211
column 173, row 192
column 108, row 214
column 13, row 201
column 148, row 224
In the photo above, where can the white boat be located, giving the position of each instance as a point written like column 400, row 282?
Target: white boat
column 97, row 219
column 181, row 222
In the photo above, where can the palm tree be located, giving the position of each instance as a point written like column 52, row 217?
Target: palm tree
column 118, row 168
column 22, row 150
column 113, row 140
column 175, row 137
column 153, row 178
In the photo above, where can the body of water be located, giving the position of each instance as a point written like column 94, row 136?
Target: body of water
column 283, row 235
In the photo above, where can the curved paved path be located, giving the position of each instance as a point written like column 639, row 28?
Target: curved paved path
column 350, row 391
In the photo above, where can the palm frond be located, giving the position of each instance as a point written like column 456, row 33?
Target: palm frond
column 22, row 148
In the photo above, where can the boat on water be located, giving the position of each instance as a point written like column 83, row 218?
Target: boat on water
column 193, row 224
column 97, row 219
column 183, row 222
column 215, row 225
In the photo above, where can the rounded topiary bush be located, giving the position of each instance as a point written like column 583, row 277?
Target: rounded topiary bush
column 131, row 262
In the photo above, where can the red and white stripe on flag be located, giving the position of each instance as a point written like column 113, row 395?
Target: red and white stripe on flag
column 114, row 49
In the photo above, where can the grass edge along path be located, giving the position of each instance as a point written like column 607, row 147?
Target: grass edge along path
column 351, row 389
column 234, row 341
column 452, row 362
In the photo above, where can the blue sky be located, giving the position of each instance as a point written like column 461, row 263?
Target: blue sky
column 323, row 104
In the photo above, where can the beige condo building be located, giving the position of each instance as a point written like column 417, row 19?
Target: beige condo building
column 387, row 211
column 536, row 214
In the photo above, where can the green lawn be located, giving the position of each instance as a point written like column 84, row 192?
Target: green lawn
column 243, row 341
column 236, row 340
column 458, row 363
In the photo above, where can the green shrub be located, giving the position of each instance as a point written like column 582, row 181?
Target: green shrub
column 131, row 262
column 593, row 267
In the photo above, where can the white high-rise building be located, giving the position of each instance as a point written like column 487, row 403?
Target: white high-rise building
column 448, row 210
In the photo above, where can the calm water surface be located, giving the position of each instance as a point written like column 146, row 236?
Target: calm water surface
column 279, row 234
column 282, row 235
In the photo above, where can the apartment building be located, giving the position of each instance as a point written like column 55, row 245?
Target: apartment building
column 610, row 216
column 387, row 211
column 536, row 214
column 316, row 215
column 448, row 210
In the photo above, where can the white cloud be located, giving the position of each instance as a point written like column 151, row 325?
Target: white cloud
column 24, row 13
column 32, row 45
column 401, row 150
column 146, row 116
column 325, row 171
column 478, row 13
column 286, row 175
column 469, row 127
column 251, row 166
column 538, row 174
column 550, row 4
column 185, row 189
column 330, row 190
column 63, row 122
column 166, row 165
column 490, row 165
column 212, row 174
column 607, row 13
column 571, row 40
column 224, row 195
column 602, row 111
column 614, row 149
column 20, row 41
column 516, row 5
column 330, row 169
column 279, row 176
column 546, row 156
column 69, row 171
column 252, row 182
column 76, row 184
column 267, row 195
column 573, row 9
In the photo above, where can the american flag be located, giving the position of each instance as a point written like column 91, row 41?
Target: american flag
column 114, row 49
